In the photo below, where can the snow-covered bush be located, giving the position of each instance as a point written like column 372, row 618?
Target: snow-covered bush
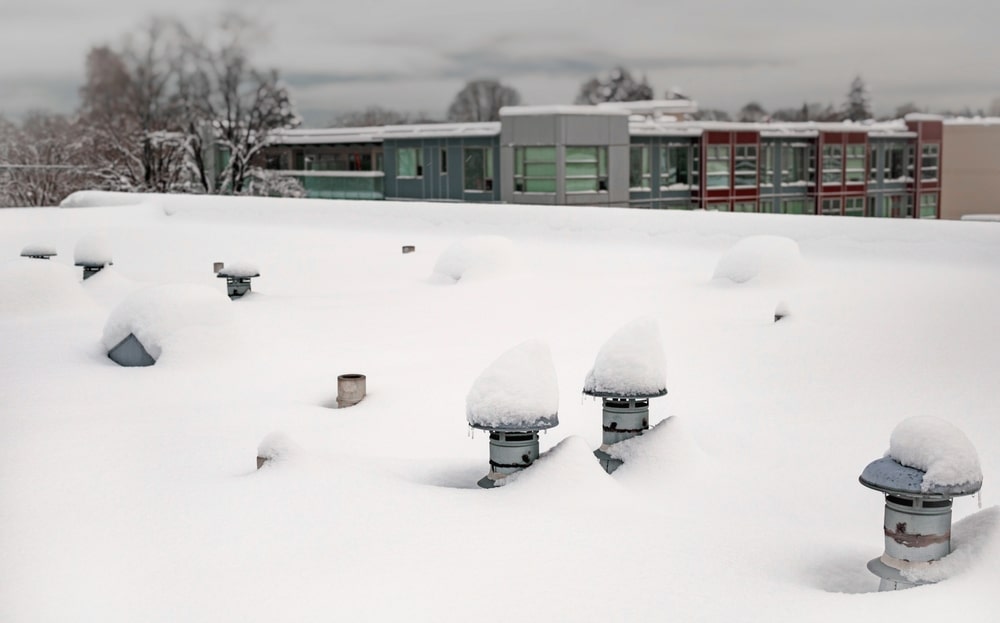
column 476, row 256
column 759, row 257
column 938, row 448
column 154, row 315
column 631, row 362
column 518, row 391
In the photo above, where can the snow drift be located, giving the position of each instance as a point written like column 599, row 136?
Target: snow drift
column 155, row 315
column 475, row 257
column 759, row 257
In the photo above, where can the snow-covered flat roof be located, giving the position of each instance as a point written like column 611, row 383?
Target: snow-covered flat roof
column 973, row 121
column 377, row 134
column 532, row 111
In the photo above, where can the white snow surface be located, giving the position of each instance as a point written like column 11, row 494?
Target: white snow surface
column 240, row 269
column 517, row 391
column 759, row 257
column 938, row 448
column 631, row 362
column 132, row 494
column 157, row 314
column 277, row 445
column 475, row 257
column 93, row 249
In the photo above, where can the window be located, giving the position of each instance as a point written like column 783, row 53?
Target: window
column 872, row 206
column 717, row 166
column 535, row 169
column 477, row 165
column 745, row 206
column 798, row 206
column 678, row 167
column 408, row 163
column 873, row 163
column 718, row 206
column 854, row 206
column 277, row 161
column 833, row 162
column 855, row 170
column 767, row 173
column 639, row 171
column 909, row 162
column 444, row 161
column 894, row 162
column 830, row 207
column 586, row 169
column 929, row 164
column 746, row 165
column 794, row 164
column 928, row 205
column 907, row 211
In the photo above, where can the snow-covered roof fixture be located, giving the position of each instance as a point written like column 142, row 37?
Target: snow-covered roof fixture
column 351, row 389
column 238, row 276
column 138, row 328
column 929, row 463
column 92, row 253
column 38, row 251
column 629, row 370
column 514, row 398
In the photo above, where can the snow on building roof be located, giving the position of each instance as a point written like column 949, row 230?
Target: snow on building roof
column 377, row 134
column 560, row 109
column 667, row 126
column 654, row 107
column 517, row 392
column 973, row 121
column 630, row 363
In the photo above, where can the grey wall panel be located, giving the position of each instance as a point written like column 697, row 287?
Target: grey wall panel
column 618, row 171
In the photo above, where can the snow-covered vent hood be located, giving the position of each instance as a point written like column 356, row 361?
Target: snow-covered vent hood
column 38, row 251
column 929, row 463
column 515, row 397
column 629, row 370
column 92, row 253
column 238, row 276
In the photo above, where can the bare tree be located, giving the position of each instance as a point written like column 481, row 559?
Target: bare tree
column 619, row 86
column 129, row 105
column 711, row 114
column 858, row 105
column 226, row 100
column 41, row 161
column 481, row 100
column 752, row 112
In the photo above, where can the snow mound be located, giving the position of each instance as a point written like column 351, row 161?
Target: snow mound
column 100, row 198
column 937, row 448
column 970, row 539
column 276, row 446
column 240, row 270
column 518, row 391
column 631, row 362
column 569, row 466
column 759, row 257
column 38, row 249
column 155, row 314
column 93, row 249
column 31, row 286
column 475, row 257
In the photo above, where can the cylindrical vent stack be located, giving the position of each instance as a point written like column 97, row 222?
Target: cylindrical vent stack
column 623, row 417
column 917, row 522
column 351, row 389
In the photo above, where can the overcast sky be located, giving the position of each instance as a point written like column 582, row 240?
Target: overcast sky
column 413, row 56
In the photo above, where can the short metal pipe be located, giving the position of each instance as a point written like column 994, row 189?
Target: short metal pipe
column 351, row 389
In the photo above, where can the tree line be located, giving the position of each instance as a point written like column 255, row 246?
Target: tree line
column 151, row 109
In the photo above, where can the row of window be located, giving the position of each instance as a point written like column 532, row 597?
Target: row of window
column 477, row 166
column 587, row 167
column 894, row 206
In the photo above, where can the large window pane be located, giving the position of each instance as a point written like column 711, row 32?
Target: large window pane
column 478, row 168
column 639, row 171
column 408, row 162
column 535, row 169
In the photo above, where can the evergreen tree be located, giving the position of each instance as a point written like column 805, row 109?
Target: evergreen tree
column 858, row 106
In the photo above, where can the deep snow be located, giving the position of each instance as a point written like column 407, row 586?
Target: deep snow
column 131, row 493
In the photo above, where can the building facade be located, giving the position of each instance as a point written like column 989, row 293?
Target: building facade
column 972, row 168
column 609, row 155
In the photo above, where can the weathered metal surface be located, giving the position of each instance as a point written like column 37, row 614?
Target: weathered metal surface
column 89, row 270
column 888, row 476
column 130, row 353
column 409, row 248
column 541, row 423
column 260, row 462
column 236, row 287
column 351, row 389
